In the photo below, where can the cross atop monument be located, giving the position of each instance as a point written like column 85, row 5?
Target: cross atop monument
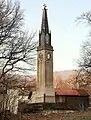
column 44, row 5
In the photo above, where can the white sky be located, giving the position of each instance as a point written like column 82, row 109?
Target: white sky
column 67, row 36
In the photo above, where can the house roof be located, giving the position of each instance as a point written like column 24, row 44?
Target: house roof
column 72, row 92
column 83, row 92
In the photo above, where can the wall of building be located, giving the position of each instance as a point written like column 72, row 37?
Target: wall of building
column 73, row 102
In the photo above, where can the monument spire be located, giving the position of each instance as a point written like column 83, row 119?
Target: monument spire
column 45, row 89
column 44, row 24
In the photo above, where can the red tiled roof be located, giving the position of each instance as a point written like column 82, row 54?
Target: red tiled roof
column 82, row 92
column 73, row 92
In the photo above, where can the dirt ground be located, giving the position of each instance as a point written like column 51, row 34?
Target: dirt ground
column 58, row 115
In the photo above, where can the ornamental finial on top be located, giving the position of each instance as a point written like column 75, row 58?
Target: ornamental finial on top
column 44, row 6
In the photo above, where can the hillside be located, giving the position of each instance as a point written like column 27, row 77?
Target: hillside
column 59, row 81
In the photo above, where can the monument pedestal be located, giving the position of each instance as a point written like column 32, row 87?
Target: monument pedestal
column 44, row 95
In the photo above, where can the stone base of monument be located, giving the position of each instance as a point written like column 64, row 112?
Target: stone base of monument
column 41, row 99
column 44, row 95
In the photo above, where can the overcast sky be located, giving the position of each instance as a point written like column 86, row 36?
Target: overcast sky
column 67, row 36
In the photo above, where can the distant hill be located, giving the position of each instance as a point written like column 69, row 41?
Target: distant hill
column 65, row 74
column 61, row 77
column 59, row 81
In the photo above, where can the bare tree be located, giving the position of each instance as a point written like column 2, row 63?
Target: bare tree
column 79, row 79
column 85, row 18
column 84, row 62
column 17, row 46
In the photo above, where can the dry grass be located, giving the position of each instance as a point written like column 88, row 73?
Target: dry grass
column 58, row 115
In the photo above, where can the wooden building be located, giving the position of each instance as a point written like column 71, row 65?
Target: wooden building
column 65, row 99
column 77, row 99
